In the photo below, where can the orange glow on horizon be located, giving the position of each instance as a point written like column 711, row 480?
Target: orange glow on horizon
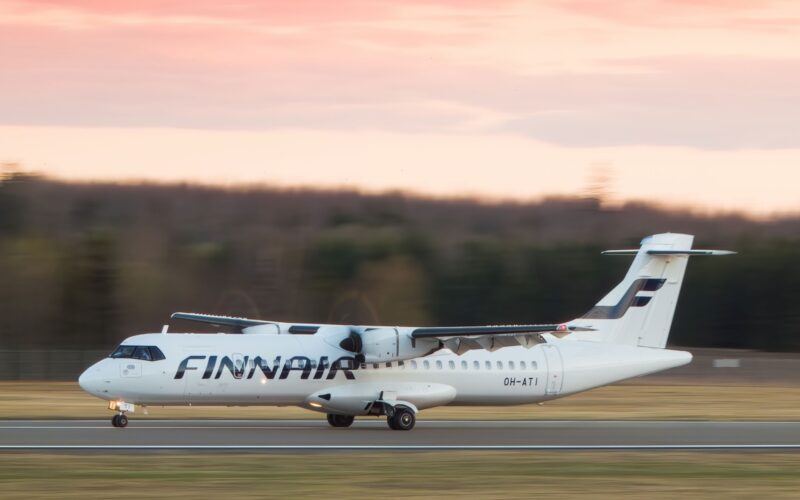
column 692, row 104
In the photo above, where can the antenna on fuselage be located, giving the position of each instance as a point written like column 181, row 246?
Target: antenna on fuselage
column 164, row 329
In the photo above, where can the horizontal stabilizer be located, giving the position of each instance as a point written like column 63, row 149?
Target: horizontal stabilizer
column 690, row 252
column 633, row 251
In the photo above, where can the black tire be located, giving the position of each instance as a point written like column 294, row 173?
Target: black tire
column 122, row 421
column 340, row 420
column 403, row 419
column 114, row 421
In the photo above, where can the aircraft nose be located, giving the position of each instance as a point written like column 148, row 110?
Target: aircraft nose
column 90, row 380
column 85, row 380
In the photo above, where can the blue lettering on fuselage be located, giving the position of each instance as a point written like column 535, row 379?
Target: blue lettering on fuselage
column 238, row 367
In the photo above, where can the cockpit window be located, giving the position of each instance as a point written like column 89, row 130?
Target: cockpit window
column 123, row 351
column 156, row 354
column 142, row 353
column 145, row 353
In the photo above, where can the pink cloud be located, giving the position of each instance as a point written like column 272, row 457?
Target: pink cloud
column 665, row 12
column 403, row 71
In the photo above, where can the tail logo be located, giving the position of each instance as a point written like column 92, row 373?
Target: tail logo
column 628, row 300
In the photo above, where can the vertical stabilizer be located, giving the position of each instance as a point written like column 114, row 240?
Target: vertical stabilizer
column 639, row 310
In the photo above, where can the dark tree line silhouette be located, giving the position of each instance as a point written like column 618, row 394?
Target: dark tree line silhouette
column 84, row 265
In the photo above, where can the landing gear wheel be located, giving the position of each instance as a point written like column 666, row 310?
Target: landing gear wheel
column 403, row 419
column 119, row 421
column 340, row 420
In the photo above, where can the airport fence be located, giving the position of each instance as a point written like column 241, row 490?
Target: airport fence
column 710, row 366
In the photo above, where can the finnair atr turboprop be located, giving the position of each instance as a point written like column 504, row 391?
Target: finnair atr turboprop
column 348, row 371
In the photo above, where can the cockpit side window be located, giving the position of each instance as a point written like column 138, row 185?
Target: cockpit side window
column 144, row 353
column 156, row 354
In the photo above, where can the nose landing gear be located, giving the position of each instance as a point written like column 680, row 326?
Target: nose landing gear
column 120, row 420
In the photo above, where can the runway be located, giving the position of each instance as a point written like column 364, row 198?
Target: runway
column 373, row 434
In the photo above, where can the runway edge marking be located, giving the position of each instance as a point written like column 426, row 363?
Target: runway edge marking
column 406, row 447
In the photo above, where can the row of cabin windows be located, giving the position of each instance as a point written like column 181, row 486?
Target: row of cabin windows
column 138, row 352
column 465, row 365
column 438, row 364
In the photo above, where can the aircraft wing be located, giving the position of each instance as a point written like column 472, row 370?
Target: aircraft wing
column 461, row 339
column 215, row 320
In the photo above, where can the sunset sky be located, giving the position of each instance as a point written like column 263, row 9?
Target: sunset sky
column 689, row 102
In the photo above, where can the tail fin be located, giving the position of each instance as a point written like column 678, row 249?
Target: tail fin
column 639, row 310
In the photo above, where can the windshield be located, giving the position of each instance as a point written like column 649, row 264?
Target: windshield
column 143, row 352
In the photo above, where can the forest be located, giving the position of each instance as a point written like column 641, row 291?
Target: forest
column 84, row 265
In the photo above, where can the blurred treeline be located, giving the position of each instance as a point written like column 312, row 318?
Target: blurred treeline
column 84, row 265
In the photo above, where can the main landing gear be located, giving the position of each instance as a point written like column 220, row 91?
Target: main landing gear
column 402, row 419
column 340, row 420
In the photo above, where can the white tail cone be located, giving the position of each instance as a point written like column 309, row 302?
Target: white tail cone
column 590, row 364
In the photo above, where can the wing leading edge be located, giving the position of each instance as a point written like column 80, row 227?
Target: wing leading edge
column 215, row 320
column 458, row 339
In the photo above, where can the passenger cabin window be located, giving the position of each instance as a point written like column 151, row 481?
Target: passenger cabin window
column 438, row 365
column 464, row 365
column 413, row 365
column 402, row 365
column 522, row 365
column 426, row 365
column 533, row 365
column 452, row 364
column 499, row 365
column 488, row 365
column 477, row 365
column 510, row 365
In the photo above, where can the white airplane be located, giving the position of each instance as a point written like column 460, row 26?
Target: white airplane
column 348, row 371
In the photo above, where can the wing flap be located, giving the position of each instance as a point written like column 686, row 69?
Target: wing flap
column 477, row 331
column 461, row 339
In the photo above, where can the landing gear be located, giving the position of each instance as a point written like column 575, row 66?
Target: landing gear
column 121, row 407
column 119, row 420
column 340, row 420
column 402, row 420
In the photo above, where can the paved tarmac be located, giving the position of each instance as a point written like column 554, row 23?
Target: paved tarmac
column 370, row 433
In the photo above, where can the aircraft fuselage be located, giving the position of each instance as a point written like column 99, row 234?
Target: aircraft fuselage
column 235, row 369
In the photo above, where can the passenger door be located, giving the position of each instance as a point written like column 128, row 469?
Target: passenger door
column 555, row 369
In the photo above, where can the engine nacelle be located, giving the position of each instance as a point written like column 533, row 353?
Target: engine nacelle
column 383, row 345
